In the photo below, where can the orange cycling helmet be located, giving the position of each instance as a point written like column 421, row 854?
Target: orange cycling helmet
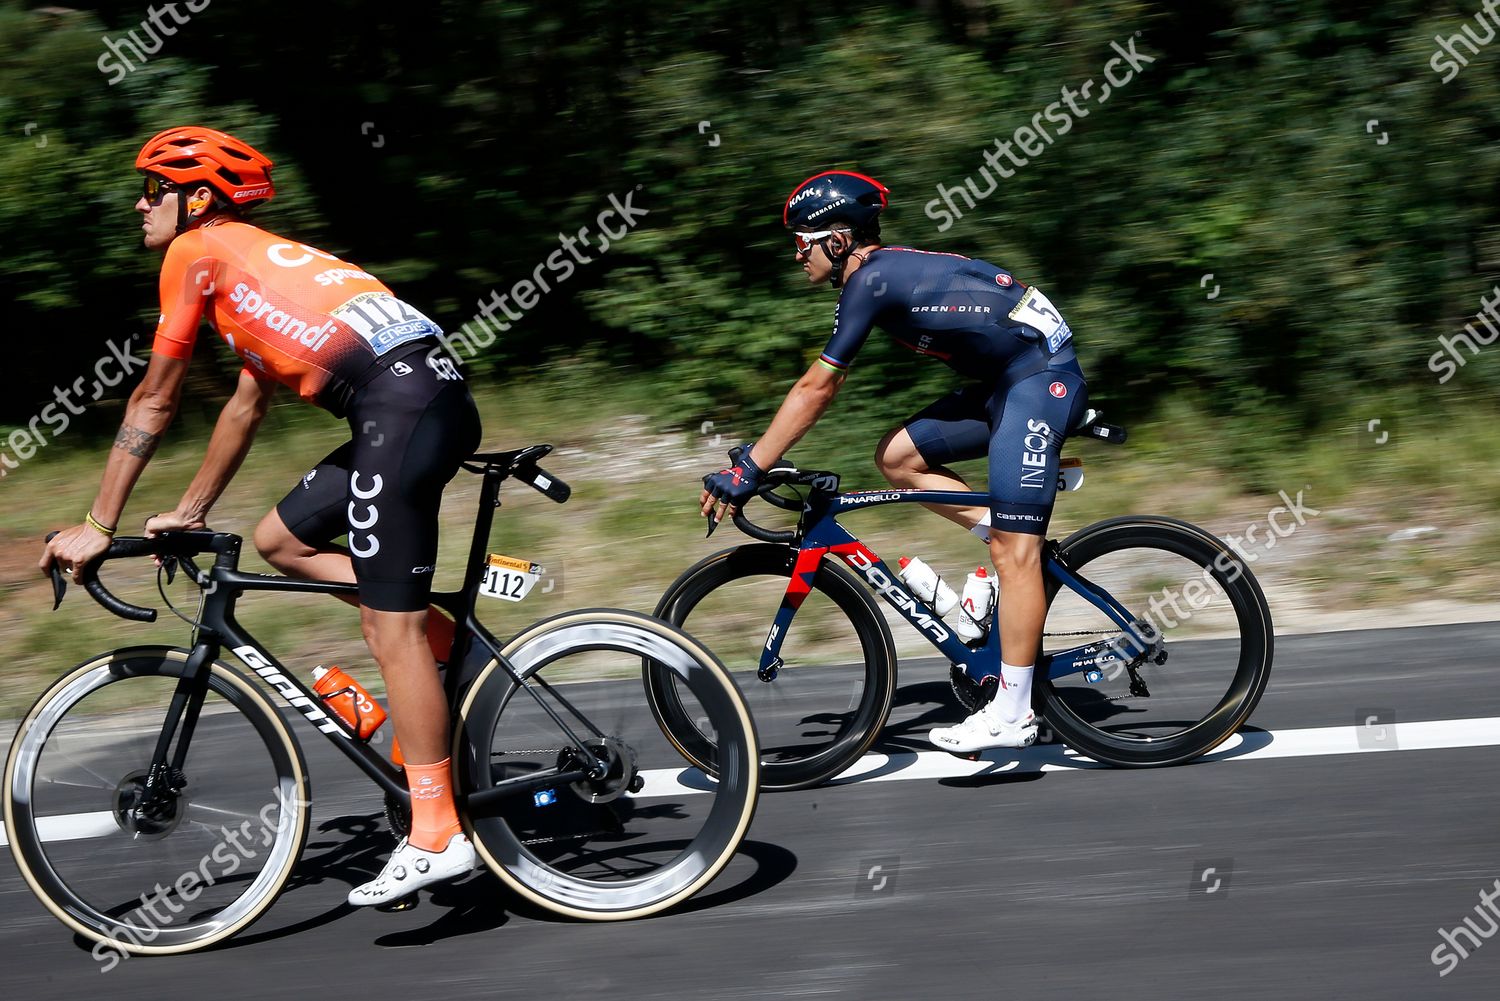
column 193, row 154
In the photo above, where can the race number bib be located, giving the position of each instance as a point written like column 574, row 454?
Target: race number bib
column 508, row 578
column 384, row 321
column 1036, row 311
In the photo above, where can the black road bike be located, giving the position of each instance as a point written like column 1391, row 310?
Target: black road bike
column 156, row 801
column 822, row 679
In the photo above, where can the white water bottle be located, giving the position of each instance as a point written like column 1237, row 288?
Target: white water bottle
column 927, row 585
column 979, row 597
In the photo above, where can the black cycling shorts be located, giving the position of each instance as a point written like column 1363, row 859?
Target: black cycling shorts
column 412, row 425
column 1020, row 424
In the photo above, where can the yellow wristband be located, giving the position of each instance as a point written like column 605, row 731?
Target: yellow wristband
column 95, row 524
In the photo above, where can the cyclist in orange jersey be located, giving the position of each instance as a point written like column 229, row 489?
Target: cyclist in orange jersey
column 299, row 317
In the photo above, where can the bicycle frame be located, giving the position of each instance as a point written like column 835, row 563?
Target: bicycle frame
column 820, row 534
column 219, row 628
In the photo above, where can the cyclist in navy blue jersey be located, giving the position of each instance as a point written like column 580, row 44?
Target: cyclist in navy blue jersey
column 1025, row 391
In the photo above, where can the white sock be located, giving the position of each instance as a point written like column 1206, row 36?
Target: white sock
column 1013, row 700
column 982, row 530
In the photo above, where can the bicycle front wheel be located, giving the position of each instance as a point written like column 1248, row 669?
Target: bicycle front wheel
column 180, row 872
column 646, row 830
column 831, row 696
column 1188, row 692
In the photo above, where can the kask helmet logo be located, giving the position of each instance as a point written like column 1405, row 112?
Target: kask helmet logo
column 835, row 196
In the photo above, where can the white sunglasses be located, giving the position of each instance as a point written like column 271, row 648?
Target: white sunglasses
column 805, row 241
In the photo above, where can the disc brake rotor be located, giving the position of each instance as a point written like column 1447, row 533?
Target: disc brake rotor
column 151, row 821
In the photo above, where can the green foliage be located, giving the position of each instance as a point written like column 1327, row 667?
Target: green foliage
column 1242, row 150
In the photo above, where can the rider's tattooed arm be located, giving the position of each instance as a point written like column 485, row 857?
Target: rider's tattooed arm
column 139, row 443
column 153, row 404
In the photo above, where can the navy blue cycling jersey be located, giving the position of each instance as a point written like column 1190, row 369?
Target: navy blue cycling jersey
column 972, row 315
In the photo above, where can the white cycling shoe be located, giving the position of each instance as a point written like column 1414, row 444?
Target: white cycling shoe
column 410, row 869
column 982, row 731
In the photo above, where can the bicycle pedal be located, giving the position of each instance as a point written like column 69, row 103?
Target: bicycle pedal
column 406, row 903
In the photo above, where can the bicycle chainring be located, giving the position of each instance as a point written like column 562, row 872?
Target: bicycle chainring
column 397, row 816
column 971, row 695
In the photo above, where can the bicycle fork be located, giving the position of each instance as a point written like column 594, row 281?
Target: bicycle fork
column 165, row 778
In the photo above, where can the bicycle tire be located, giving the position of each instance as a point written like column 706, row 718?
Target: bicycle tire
column 502, row 843
column 858, row 728
column 29, row 848
column 1252, row 670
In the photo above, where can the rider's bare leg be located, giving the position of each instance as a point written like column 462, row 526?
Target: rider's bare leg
column 1018, row 560
column 902, row 465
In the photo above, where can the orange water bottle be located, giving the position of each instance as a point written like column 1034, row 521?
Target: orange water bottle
column 349, row 700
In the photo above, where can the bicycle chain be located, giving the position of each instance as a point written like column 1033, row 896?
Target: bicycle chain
column 554, row 840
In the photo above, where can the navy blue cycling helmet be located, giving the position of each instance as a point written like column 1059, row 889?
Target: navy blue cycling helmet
column 836, row 196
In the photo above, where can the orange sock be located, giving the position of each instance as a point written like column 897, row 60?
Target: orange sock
column 440, row 630
column 434, row 820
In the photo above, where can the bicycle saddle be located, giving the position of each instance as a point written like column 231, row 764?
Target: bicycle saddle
column 512, row 459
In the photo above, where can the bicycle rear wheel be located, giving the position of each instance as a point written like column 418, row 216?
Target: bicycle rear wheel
column 649, row 831
column 1216, row 643
column 827, row 703
column 180, row 874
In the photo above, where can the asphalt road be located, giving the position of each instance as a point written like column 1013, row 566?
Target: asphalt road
column 1334, row 869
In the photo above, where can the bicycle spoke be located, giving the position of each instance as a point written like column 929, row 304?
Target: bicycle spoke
column 111, row 851
column 1185, row 676
column 606, row 842
column 833, row 687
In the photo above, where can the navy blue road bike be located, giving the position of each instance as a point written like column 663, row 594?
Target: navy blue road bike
column 1157, row 644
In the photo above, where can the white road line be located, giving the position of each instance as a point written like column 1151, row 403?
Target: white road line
column 1245, row 746
column 1252, row 745
column 73, row 827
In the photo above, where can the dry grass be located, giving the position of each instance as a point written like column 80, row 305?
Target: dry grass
column 631, row 526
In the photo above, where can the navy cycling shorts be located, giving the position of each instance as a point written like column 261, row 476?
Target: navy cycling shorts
column 412, row 426
column 1021, row 426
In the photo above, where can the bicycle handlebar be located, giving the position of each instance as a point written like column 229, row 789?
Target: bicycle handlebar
column 782, row 474
column 753, row 530
column 166, row 544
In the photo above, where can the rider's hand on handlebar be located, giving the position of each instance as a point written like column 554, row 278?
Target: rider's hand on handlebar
column 733, row 485
column 72, row 550
column 172, row 521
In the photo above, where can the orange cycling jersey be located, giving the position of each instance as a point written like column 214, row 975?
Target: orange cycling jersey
column 293, row 314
